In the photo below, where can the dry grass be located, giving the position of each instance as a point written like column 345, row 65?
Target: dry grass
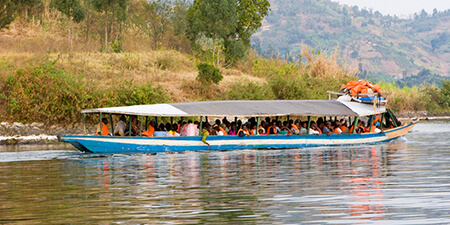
column 320, row 65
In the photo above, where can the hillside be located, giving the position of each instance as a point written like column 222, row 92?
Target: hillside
column 377, row 44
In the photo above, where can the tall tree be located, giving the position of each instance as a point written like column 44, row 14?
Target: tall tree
column 74, row 12
column 228, row 22
column 117, row 8
column 7, row 10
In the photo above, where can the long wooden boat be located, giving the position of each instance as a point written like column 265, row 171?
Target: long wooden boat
column 244, row 109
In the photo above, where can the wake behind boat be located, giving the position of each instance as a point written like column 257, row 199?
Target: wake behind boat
column 389, row 127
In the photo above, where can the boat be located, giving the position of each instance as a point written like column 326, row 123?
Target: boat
column 307, row 109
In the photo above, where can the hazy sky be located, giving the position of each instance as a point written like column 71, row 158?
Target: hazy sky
column 401, row 8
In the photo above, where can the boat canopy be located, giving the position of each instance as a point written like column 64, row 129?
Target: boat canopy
column 247, row 108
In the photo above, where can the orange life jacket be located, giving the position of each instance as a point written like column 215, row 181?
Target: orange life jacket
column 336, row 130
column 252, row 131
column 149, row 132
column 296, row 128
column 245, row 132
column 274, row 130
column 104, row 129
column 223, row 131
column 343, row 128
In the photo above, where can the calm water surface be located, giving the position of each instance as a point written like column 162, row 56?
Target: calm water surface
column 404, row 182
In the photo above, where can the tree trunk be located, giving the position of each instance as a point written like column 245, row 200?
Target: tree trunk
column 70, row 35
column 106, row 30
column 88, row 23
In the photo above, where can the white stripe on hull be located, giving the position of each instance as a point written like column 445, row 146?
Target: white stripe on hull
column 243, row 141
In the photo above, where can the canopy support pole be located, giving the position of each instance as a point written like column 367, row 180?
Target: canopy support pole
column 349, row 121
column 309, row 125
column 235, row 121
column 156, row 122
column 371, row 123
column 100, row 125
column 171, row 121
column 146, row 122
column 258, row 122
column 129, row 126
column 382, row 118
column 200, row 126
column 140, row 127
column 287, row 118
column 392, row 118
column 112, row 124
column 84, row 123
column 206, row 119
column 354, row 126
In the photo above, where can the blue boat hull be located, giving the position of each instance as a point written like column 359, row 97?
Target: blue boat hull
column 107, row 144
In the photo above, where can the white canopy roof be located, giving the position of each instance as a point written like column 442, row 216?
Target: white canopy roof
column 247, row 108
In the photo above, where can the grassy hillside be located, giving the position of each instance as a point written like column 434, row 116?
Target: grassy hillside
column 367, row 40
column 43, row 79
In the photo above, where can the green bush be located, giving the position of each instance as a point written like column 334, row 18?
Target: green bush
column 445, row 93
column 248, row 90
column 208, row 74
column 48, row 94
column 127, row 93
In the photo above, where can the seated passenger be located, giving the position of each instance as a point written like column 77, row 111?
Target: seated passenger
column 205, row 133
column 272, row 129
column 232, row 129
column 295, row 127
column 121, row 127
column 303, row 128
column 150, row 131
column 243, row 131
column 314, row 129
column 104, row 129
column 222, row 131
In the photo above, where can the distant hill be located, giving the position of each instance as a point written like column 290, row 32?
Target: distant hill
column 370, row 41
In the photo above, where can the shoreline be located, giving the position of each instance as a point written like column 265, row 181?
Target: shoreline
column 38, row 133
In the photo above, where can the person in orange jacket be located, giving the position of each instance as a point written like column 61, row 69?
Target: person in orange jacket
column 104, row 129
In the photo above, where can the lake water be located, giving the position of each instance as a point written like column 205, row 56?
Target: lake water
column 403, row 182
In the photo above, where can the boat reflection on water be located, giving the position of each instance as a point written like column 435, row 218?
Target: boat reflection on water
column 239, row 185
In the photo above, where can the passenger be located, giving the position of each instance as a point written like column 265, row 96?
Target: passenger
column 359, row 128
column 135, row 130
column 197, row 127
column 261, row 132
column 344, row 127
column 253, row 130
column 161, row 127
column 104, row 130
column 295, row 127
column 313, row 128
column 205, row 133
column 304, row 127
column 151, row 130
column 279, row 126
column 263, row 126
column 326, row 128
column 232, row 129
column 222, row 128
column 272, row 129
column 285, row 130
column 243, row 131
column 337, row 128
column 217, row 122
column 121, row 127
column 214, row 130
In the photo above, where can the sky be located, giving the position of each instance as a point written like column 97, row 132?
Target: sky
column 401, row 8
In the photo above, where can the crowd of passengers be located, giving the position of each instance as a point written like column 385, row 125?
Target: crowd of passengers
column 224, row 127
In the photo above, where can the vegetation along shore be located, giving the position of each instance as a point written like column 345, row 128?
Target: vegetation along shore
column 55, row 62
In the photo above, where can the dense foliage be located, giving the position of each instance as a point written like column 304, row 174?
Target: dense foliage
column 46, row 93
